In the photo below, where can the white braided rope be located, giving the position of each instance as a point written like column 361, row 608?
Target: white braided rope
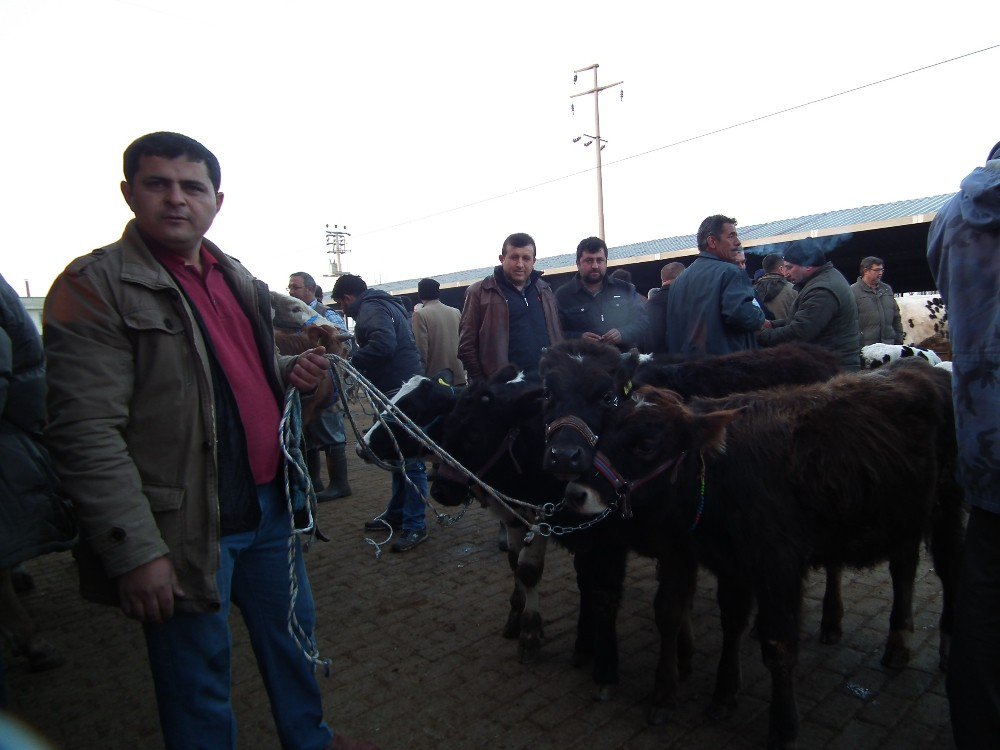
column 292, row 444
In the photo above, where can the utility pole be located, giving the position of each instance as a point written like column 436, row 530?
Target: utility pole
column 596, row 137
column 336, row 242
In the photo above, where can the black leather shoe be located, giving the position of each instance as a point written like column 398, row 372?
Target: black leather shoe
column 377, row 524
column 409, row 540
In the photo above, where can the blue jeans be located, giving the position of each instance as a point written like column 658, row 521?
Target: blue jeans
column 406, row 506
column 190, row 653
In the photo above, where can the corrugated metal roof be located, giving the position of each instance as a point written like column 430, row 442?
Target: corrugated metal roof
column 782, row 230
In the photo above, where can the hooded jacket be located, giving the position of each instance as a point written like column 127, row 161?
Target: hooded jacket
column 776, row 294
column 34, row 519
column 387, row 353
column 963, row 250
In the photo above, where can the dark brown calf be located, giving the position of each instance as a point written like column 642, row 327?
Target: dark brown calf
column 758, row 487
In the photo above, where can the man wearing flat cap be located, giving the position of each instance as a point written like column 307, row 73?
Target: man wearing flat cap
column 824, row 313
column 435, row 329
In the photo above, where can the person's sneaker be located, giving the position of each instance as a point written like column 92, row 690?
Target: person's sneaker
column 377, row 524
column 409, row 540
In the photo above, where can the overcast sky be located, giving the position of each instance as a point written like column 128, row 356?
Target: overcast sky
column 391, row 118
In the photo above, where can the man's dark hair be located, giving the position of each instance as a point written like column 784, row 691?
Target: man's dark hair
column 307, row 280
column 170, row 146
column 318, row 292
column 591, row 245
column 712, row 227
column 771, row 262
column 869, row 261
column 348, row 284
column 428, row 289
column 623, row 274
column 994, row 153
column 671, row 271
column 519, row 239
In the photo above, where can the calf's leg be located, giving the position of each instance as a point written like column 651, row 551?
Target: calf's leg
column 735, row 602
column 833, row 607
column 677, row 575
column 530, row 564
column 903, row 571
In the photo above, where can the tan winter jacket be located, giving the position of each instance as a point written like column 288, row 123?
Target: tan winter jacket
column 132, row 414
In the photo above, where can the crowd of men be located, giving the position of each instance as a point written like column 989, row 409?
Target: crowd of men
column 164, row 393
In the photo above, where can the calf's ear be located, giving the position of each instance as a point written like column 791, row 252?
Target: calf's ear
column 709, row 430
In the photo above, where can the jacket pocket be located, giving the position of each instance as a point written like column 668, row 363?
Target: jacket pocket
column 163, row 498
column 166, row 503
column 152, row 319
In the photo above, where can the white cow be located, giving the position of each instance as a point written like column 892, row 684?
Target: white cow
column 923, row 316
column 876, row 355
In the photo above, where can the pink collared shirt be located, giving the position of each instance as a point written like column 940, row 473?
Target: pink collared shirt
column 236, row 351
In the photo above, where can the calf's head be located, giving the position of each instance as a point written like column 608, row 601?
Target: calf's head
column 479, row 431
column 426, row 402
column 583, row 382
column 645, row 445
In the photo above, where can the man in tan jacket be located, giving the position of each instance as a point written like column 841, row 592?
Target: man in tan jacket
column 435, row 328
column 164, row 398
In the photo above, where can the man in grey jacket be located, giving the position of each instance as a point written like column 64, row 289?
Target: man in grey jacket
column 878, row 313
column 164, row 402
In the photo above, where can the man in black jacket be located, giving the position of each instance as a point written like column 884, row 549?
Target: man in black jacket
column 593, row 305
column 387, row 355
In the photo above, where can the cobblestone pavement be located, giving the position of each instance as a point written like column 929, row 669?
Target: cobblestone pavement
column 418, row 660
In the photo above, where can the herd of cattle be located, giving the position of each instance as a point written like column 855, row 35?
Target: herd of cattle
column 756, row 466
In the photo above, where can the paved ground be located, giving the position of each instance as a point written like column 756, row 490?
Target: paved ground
column 419, row 662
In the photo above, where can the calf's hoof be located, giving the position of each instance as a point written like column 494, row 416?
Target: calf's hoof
column 830, row 635
column 604, row 693
column 658, row 716
column 512, row 628
column 896, row 658
column 721, row 710
column 528, row 650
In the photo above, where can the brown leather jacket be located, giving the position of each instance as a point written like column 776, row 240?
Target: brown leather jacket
column 483, row 340
column 132, row 414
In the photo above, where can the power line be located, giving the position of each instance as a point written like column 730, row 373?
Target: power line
column 686, row 140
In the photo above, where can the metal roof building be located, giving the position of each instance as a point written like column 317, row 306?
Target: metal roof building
column 896, row 232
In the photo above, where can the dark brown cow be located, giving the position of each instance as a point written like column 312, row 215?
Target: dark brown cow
column 758, row 487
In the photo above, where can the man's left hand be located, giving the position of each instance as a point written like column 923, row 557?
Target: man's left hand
column 614, row 336
column 309, row 370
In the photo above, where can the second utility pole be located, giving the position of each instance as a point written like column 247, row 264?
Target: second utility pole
column 597, row 141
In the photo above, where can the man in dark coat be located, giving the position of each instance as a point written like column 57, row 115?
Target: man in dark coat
column 712, row 309
column 387, row 355
column 596, row 306
column 656, row 308
column 824, row 313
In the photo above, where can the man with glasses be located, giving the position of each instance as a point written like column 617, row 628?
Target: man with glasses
column 878, row 313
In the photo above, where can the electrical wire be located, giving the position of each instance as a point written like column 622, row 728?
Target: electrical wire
column 683, row 141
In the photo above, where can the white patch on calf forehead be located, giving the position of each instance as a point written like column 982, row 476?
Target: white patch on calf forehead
column 577, row 357
column 518, row 379
column 643, row 358
column 408, row 387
